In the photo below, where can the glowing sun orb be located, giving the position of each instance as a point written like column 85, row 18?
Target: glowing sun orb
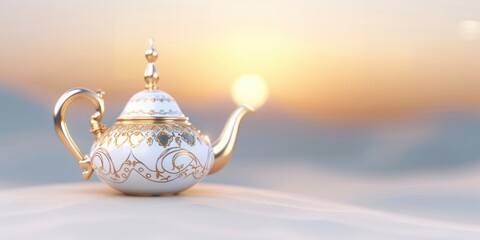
column 250, row 90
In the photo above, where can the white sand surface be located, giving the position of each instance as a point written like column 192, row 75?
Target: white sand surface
column 93, row 211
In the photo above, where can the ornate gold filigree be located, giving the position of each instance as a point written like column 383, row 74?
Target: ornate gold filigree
column 152, row 99
column 149, row 141
column 163, row 134
column 171, row 164
column 151, row 112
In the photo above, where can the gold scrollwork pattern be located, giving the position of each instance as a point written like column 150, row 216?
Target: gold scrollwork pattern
column 161, row 134
column 173, row 163
column 161, row 98
column 151, row 112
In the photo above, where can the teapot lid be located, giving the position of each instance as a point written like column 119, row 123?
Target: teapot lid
column 151, row 103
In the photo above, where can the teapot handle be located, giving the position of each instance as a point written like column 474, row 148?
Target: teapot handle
column 96, row 127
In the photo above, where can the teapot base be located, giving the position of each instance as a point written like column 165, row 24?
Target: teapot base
column 137, row 186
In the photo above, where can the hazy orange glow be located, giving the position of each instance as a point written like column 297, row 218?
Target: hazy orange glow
column 320, row 58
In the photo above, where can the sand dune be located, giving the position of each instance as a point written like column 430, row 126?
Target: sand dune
column 205, row 211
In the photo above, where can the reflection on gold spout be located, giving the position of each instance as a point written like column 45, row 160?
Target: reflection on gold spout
column 223, row 147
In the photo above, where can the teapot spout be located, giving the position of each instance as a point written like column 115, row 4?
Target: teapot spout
column 225, row 144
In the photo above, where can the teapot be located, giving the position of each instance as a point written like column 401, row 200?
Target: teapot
column 152, row 149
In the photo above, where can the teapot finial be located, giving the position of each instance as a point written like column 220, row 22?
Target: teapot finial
column 151, row 72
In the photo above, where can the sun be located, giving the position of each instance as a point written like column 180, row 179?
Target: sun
column 250, row 90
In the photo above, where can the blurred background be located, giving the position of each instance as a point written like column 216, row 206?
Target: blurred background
column 373, row 103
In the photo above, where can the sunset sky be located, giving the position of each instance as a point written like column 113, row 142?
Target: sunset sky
column 372, row 104
column 347, row 59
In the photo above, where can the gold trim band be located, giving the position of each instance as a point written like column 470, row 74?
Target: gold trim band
column 153, row 120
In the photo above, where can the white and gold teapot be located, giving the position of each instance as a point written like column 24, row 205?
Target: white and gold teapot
column 152, row 149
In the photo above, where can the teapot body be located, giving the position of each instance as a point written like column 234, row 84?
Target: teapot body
column 151, row 158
